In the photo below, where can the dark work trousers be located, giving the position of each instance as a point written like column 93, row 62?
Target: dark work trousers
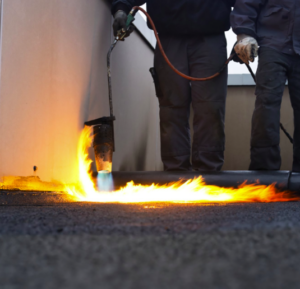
column 199, row 56
column 273, row 70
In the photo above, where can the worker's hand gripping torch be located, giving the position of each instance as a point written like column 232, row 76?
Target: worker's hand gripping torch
column 127, row 28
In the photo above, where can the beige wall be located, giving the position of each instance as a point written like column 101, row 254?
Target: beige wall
column 239, row 109
column 53, row 78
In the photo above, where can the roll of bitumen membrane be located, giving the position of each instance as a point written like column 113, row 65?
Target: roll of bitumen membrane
column 284, row 180
column 294, row 182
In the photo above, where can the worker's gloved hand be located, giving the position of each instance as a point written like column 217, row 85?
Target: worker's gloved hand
column 120, row 23
column 246, row 48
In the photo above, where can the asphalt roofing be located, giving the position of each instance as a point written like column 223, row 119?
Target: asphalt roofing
column 84, row 245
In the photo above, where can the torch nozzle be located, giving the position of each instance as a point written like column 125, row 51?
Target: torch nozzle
column 105, row 181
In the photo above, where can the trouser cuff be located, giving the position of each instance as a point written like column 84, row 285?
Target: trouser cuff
column 265, row 158
column 177, row 163
column 208, row 161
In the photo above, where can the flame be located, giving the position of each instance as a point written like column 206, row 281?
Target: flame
column 195, row 191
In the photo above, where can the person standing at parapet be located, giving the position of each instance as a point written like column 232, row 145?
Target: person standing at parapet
column 192, row 34
column 275, row 25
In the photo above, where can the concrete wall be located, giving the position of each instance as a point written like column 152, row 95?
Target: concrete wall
column 53, row 78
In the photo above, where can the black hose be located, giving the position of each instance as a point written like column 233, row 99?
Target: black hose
column 286, row 133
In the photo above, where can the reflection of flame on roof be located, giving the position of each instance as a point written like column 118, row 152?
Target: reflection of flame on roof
column 32, row 183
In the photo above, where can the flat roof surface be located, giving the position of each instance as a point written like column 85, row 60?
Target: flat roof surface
column 105, row 246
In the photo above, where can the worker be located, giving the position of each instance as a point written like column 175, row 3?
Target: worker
column 192, row 35
column 274, row 25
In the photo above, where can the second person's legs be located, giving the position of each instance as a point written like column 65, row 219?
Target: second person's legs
column 271, row 78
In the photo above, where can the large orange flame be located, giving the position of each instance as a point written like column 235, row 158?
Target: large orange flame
column 195, row 191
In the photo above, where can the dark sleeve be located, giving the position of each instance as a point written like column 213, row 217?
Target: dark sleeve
column 244, row 16
column 125, row 5
column 230, row 3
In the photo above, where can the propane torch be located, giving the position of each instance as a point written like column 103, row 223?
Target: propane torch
column 103, row 128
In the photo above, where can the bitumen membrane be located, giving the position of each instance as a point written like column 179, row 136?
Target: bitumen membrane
column 88, row 245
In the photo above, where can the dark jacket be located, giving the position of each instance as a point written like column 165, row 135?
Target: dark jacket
column 184, row 17
column 274, row 23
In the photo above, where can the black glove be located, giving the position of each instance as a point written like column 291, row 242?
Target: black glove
column 120, row 23
column 236, row 58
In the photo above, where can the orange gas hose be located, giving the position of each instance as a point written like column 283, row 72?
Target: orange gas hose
column 167, row 59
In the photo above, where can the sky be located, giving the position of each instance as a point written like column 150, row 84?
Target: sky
column 233, row 68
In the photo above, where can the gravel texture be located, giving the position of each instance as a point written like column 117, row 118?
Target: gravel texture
column 85, row 245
